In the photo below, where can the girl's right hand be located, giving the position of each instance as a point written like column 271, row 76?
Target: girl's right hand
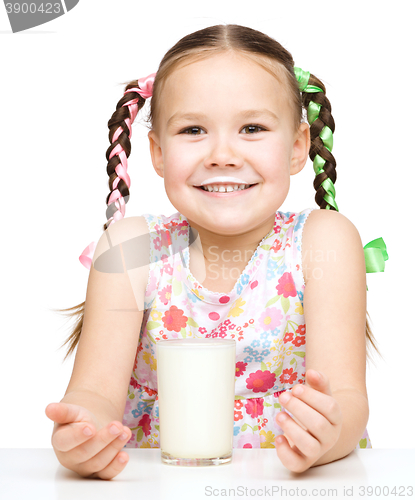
column 93, row 456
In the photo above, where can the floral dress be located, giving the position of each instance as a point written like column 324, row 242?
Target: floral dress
column 263, row 314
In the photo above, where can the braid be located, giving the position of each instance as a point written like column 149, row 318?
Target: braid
column 120, row 149
column 321, row 131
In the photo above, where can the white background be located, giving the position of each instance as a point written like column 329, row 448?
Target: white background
column 59, row 85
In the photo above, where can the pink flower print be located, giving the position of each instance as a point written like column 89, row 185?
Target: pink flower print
column 165, row 239
column 286, row 286
column 270, row 318
column 152, row 284
column 128, row 407
column 179, row 229
column 240, row 368
column 237, row 415
column 149, row 391
column 238, row 404
column 255, row 407
column 157, row 243
column 299, row 341
column 287, row 376
column 248, row 440
column 133, row 382
column 300, row 330
column 165, row 294
column 167, row 269
column 288, row 337
column 174, row 319
column 276, row 245
column 276, row 394
column 260, row 381
column 145, row 423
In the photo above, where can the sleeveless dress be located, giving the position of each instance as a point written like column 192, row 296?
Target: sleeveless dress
column 263, row 313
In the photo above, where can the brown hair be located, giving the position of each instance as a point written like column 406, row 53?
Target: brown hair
column 202, row 44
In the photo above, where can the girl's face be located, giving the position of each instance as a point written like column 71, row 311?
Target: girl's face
column 242, row 126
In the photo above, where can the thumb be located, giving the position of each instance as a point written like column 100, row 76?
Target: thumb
column 65, row 413
column 318, row 380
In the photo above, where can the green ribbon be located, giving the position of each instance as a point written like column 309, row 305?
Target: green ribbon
column 375, row 251
column 302, row 79
column 326, row 134
column 313, row 111
column 375, row 256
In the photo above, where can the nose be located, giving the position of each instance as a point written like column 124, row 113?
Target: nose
column 222, row 154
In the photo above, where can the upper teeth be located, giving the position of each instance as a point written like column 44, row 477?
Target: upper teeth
column 224, row 189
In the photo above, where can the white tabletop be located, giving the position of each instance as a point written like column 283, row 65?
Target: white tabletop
column 36, row 474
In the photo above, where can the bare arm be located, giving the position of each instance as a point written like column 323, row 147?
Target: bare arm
column 331, row 411
column 95, row 398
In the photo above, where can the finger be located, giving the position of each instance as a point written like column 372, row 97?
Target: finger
column 325, row 405
column 104, row 463
column 114, row 468
column 69, row 436
column 104, row 437
column 64, row 413
column 306, row 444
column 319, row 381
column 291, row 459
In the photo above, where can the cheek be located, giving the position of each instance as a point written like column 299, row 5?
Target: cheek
column 176, row 175
column 276, row 162
column 178, row 158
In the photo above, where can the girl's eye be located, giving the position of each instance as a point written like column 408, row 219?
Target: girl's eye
column 251, row 127
column 186, row 131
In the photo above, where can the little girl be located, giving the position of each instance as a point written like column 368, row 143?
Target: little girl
column 226, row 135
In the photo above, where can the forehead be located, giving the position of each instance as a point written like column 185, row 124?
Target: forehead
column 224, row 82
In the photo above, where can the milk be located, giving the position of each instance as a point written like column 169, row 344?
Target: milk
column 196, row 391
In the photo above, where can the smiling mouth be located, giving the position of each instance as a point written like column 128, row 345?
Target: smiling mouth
column 225, row 192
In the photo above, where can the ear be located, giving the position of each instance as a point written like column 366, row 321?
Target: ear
column 301, row 148
column 156, row 153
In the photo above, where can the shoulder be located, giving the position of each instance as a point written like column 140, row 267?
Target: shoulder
column 123, row 231
column 127, row 228
column 325, row 220
column 329, row 240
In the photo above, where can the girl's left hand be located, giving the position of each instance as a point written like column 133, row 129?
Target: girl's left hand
column 319, row 424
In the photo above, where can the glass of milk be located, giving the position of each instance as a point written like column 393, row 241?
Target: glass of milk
column 196, row 392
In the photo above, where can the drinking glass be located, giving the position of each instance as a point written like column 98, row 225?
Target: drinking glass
column 196, row 391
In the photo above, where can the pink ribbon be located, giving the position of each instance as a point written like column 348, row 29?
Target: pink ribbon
column 86, row 256
column 145, row 89
column 146, row 85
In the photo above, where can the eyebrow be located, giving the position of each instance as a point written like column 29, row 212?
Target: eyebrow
column 248, row 113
